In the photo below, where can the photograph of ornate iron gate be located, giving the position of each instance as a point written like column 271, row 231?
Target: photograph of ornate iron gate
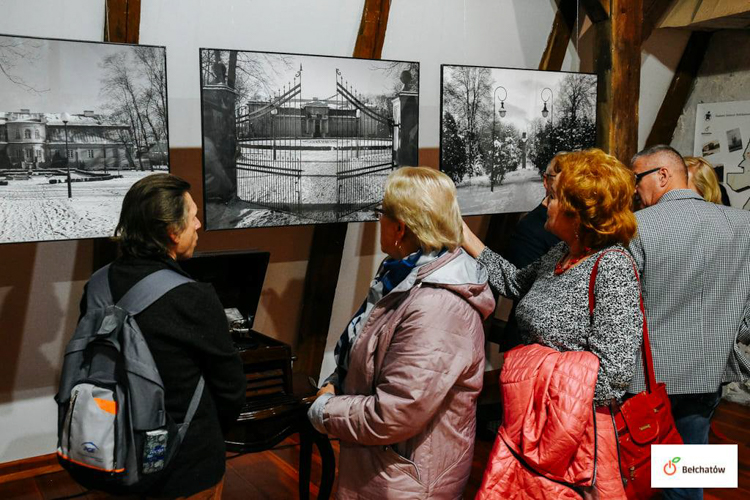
column 269, row 162
column 365, row 152
column 278, row 153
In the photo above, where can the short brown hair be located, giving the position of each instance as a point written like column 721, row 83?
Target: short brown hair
column 598, row 189
column 153, row 208
column 424, row 199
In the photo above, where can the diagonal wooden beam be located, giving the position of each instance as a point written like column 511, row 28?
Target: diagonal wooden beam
column 559, row 37
column 327, row 247
column 679, row 90
column 653, row 11
column 372, row 29
column 597, row 10
column 122, row 21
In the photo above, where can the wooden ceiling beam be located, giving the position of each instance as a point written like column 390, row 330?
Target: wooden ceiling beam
column 327, row 246
column 597, row 10
column 122, row 21
column 653, row 11
column 618, row 64
column 371, row 35
column 559, row 37
column 679, row 90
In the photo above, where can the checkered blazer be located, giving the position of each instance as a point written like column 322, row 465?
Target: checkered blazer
column 694, row 260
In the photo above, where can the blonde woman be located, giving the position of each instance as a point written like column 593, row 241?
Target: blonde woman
column 410, row 362
column 703, row 179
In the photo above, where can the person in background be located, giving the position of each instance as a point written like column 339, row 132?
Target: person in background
column 703, row 180
column 186, row 331
column 694, row 261
column 402, row 399
column 590, row 211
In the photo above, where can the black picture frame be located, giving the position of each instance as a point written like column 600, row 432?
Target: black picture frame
column 296, row 139
column 495, row 158
column 63, row 175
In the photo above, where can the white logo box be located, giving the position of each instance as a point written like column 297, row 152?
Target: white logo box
column 694, row 466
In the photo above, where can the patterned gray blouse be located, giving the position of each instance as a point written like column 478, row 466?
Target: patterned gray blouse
column 553, row 310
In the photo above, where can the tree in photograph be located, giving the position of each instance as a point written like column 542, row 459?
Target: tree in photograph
column 574, row 126
column 541, row 146
column 252, row 75
column 454, row 161
column 467, row 95
column 14, row 52
column 505, row 154
column 404, row 76
column 119, row 86
column 151, row 64
column 576, row 97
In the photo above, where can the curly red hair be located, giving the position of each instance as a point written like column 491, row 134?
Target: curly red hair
column 597, row 189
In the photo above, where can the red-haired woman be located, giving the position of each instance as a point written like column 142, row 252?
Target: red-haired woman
column 590, row 211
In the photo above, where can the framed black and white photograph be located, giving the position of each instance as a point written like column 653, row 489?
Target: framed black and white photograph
column 711, row 147
column 294, row 139
column 734, row 140
column 80, row 122
column 500, row 127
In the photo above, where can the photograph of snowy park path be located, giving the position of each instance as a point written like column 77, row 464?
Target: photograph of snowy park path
column 500, row 128
column 35, row 210
column 296, row 139
column 80, row 122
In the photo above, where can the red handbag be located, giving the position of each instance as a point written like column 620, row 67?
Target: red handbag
column 643, row 419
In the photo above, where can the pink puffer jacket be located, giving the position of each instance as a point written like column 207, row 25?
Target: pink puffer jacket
column 546, row 445
column 407, row 418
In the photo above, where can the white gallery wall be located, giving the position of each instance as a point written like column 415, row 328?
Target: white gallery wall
column 38, row 310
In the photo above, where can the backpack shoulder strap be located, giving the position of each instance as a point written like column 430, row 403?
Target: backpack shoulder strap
column 150, row 289
column 98, row 293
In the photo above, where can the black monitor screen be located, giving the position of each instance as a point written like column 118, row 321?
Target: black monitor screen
column 236, row 276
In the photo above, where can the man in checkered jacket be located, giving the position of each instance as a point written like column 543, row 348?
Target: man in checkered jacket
column 694, row 260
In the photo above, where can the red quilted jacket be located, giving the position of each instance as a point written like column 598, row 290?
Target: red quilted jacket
column 546, row 446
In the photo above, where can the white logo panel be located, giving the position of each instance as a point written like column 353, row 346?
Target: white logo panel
column 694, row 466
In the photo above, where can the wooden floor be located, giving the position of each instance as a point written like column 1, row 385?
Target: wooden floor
column 273, row 474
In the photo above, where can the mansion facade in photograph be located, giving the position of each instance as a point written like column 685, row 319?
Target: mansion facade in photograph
column 33, row 141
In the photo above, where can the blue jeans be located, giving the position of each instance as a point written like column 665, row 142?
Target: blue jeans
column 692, row 417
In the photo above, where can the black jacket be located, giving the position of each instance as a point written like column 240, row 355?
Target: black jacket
column 187, row 333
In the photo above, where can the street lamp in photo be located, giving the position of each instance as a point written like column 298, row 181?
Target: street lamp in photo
column 551, row 99
column 65, row 117
column 502, row 110
column 274, row 112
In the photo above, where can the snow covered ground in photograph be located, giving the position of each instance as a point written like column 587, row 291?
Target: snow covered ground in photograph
column 521, row 191
column 35, row 210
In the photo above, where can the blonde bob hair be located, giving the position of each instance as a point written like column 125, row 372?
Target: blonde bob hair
column 703, row 176
column 424, row 199
column 598, row 190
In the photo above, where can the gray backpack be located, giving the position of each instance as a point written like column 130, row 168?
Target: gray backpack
column 114, row 433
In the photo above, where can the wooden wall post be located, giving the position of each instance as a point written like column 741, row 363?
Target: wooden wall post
column 328, row 239
column 618, row 64
column 122, row 21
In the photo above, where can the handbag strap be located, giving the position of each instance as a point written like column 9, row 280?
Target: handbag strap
column 648, row 360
